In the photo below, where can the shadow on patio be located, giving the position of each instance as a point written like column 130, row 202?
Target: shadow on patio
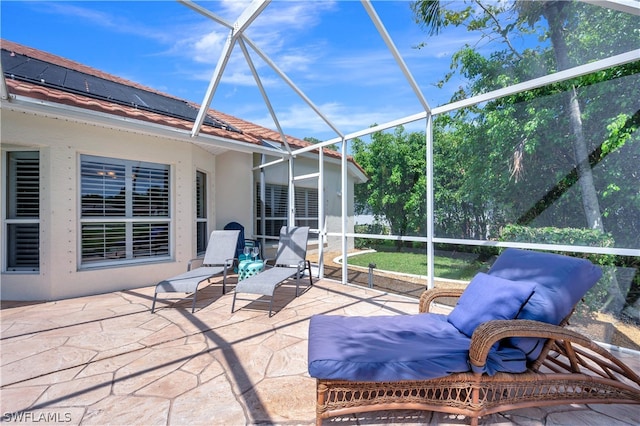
column 106, row 359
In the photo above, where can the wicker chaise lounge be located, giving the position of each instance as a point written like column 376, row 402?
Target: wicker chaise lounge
column 385, row 363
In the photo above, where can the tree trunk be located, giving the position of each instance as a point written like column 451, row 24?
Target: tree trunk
column 591, row 206
column 553, row 12
column 590, row 203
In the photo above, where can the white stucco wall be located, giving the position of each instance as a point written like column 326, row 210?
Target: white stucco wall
column 307, row 164
column 234, row 190
column 333, row 206
column 61, row 143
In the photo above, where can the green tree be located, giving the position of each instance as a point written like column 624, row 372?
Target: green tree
column 558, row 16
column 530, row 158
column 313, row 140
column 520, row 128
column 396, row 190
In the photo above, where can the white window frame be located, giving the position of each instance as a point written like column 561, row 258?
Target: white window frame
column 12, row 219
column 202, row 217
column 122, row 228
column 306, row 213
column 306, row 205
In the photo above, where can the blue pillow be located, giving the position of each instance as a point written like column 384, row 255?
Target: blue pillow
column 562, row 281
column 489, row 298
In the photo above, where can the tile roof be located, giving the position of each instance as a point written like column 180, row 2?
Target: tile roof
column 250, row 133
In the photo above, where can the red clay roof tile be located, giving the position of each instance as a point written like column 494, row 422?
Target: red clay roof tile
column 252, row 133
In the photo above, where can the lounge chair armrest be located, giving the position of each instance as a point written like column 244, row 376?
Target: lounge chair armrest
column 568, row 342
column 192, row 261
column 490, row 332
column 270, row 262
column 428, row 296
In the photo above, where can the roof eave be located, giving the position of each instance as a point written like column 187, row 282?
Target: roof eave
column 49, row 109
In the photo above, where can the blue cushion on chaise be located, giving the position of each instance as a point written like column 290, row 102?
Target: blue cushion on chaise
column 426, row 346
column 562, row 282
column 400, row 347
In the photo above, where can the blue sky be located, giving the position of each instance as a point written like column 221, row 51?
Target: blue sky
column 330, row 50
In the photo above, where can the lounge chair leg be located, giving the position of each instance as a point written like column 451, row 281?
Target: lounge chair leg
column 270, row 306
column 224, row 280
column 309, row 267
column 153, row 305
column 321, row 396
column 193, row 305
column 233, row 303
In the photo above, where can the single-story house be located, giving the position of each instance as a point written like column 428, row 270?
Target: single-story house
column 104, row 188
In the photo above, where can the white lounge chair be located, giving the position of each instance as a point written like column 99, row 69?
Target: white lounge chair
column 290, row 261
column 217, row 260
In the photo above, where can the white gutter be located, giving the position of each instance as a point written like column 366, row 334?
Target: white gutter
column 80, row 115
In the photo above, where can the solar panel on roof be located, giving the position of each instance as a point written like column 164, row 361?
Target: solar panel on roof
column 21, row 67
column 53, row 75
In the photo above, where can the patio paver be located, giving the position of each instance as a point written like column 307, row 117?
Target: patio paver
column 107, row 360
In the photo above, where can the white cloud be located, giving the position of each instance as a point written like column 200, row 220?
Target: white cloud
column 231, row 9
column 328, row 49
column 301, row 121
column 283, row 17
column 272, row 32
column 208, row 48
column 120, row 23
column 246, row 79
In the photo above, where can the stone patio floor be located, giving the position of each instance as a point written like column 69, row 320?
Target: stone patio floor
column 106, row 360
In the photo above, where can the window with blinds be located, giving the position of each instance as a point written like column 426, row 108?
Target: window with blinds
column 201, row 212
column 275, row 208
column 124, row 210
column 306, row 200
column 22, row 223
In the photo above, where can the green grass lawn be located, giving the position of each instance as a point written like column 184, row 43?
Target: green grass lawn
column 416, row 263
